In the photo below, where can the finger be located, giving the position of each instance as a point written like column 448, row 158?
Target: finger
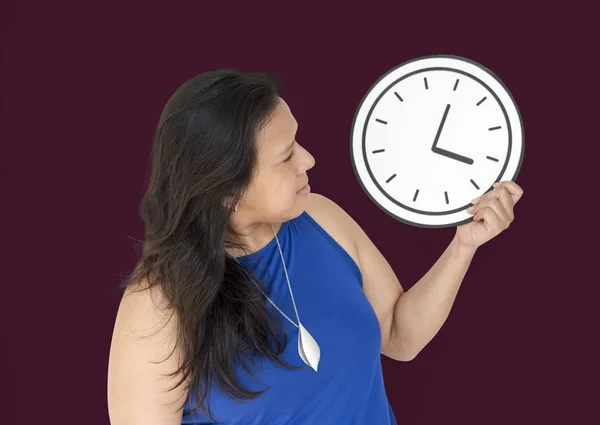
column 495, row 205
column 516, row 192
column 502, row 195
column 490, row 219
column 507, row 203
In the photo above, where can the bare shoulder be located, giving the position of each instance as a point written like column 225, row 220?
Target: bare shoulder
column 142, row 352
column 336, row 222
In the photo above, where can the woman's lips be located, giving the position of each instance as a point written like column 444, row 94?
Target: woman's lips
column 304, row 190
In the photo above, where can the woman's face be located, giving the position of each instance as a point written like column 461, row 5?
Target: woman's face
column 282, row 166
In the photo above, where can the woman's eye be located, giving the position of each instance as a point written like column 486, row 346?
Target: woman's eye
column 289, row 157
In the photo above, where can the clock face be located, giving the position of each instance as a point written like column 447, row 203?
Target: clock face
column 432, row 134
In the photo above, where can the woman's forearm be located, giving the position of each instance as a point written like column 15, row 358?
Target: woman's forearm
column 422, row 310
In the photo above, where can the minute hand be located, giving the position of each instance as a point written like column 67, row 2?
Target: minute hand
column 444, row 152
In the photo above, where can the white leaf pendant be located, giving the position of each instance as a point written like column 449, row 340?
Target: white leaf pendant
column 308, row 348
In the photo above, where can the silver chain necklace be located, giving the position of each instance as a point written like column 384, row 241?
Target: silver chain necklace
column 308, row 348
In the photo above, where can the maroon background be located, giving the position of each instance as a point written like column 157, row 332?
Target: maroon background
column 82, row 87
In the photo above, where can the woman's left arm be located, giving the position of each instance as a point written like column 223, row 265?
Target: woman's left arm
column 421, row 311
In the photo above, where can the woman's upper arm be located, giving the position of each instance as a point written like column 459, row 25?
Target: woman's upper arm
column 137, row 392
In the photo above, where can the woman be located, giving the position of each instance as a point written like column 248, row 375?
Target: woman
column 255, row 301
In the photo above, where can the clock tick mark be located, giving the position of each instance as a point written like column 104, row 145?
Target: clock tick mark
column 446, row 195
column 426, row 86
column 491, row 158
column 415, row 197
column 381, row 121
column 455, row 85
column 398, row 96
column 474, row 184
column 390, row 179
column 481, row 101
column 382, row 150
column 495, row 128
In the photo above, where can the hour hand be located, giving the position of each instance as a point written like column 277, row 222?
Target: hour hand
column 452, row 155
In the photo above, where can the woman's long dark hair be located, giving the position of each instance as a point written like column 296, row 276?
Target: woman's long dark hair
column 204, row 156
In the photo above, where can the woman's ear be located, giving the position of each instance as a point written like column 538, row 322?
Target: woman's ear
column 229, row 203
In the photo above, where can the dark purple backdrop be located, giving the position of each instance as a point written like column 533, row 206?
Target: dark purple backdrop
column 82, row 87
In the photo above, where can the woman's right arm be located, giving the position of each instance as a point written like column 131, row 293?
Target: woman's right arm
column 144, row 333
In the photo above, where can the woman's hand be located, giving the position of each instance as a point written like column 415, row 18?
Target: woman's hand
column 493, row 214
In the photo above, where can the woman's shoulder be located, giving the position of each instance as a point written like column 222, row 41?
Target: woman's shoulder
column 143, row 349
column 335, row 221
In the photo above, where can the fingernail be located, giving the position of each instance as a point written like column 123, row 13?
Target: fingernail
column 470, row 209
column 474, row 201
column 496, row 184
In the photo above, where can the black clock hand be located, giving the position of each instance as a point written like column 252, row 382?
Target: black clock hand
column 444, row 152
column 437, row 136
column 453, row 155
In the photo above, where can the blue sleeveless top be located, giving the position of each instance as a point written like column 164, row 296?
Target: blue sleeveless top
column 348, row 387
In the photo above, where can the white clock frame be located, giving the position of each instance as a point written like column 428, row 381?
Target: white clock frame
column 408, row 109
